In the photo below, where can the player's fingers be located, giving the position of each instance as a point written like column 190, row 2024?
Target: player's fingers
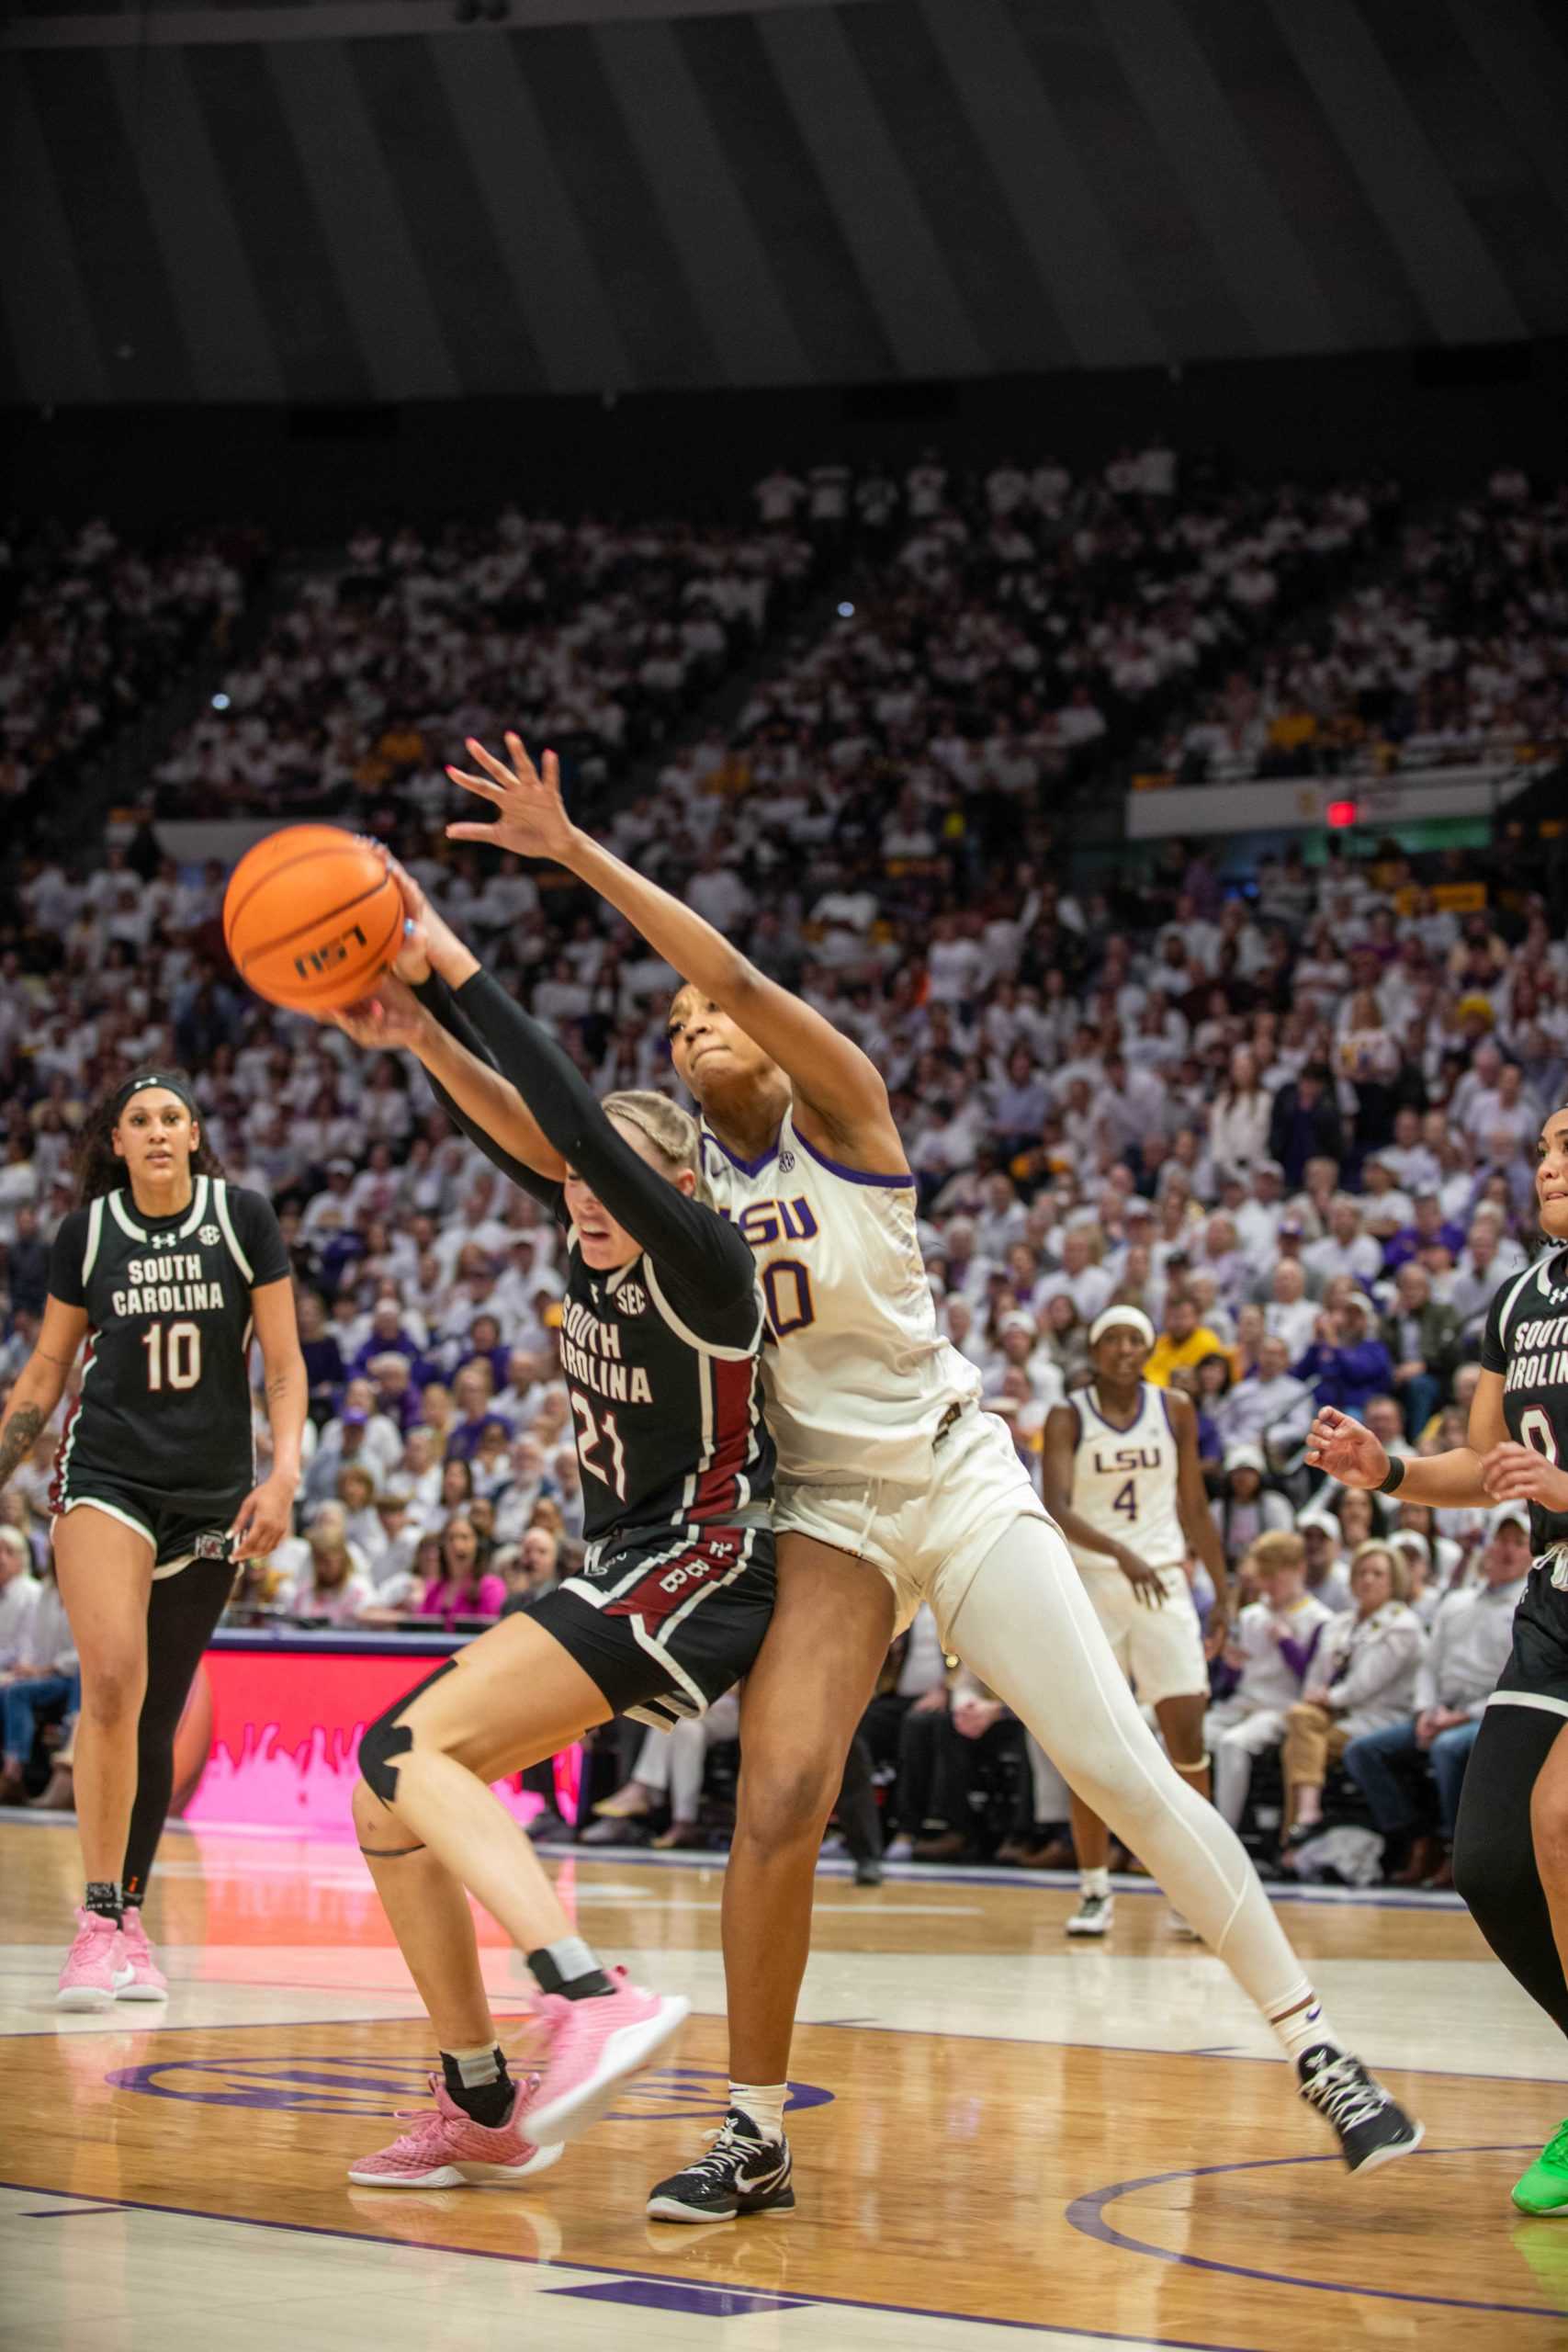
column 552, row 772
column 493, row 766
column 472, row 832
column 522, row 765
column 481, row 784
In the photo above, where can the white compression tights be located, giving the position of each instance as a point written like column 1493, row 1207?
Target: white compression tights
column 1027, row 1628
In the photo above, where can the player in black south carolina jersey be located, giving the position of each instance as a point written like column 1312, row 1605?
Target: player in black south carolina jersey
column 165, row 1272
column 661, row 1341
column 1511, row 1842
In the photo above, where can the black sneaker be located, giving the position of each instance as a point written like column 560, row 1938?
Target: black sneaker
column 1373, row 2127
column 868, row 1870
column 742, row 2173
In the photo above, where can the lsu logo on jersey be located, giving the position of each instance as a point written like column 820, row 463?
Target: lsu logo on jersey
column 760, row 1223
column 1112, row 1461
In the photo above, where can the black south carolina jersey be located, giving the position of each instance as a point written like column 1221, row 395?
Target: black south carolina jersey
column 1527, row 1341
column 661, row 1355
column 165, row 1408
column 666, row 1392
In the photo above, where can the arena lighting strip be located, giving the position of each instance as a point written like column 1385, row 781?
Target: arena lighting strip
column 155, row 28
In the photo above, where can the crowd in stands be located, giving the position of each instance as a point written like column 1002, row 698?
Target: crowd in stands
column 1292, row 1120
column 594, row 638
column 92, row 630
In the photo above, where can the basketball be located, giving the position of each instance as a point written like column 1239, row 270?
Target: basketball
column 311, row 916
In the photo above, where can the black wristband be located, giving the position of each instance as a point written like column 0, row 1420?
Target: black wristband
column 1393, row 1476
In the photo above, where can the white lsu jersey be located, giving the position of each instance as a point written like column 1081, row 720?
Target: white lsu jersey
column 1124, row 1480
column 856, row 1374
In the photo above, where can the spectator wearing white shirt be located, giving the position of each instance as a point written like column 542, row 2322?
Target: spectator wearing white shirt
column 329, row 1578
column 1345, row 1249
column 1272, row 1649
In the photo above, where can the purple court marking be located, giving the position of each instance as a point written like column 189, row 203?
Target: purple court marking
column 67, row 2212
column 672, row 2295
column 374, row 2086
column 1087, row 2214
column 495, row 2253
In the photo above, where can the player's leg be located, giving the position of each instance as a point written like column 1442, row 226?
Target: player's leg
column 1024, row 1625
column 805, row 1692
column 1511, row 1866
column 803, row 1697
column 183, row 1610
column 513, row 1696
column 105, row 1571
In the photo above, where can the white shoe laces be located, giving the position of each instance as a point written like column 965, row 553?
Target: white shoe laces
column 1345, row 2093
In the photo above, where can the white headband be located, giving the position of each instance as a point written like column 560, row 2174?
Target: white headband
column 1113, row 1318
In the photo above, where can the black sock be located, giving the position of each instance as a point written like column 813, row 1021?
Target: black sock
column 488, row 2102
column 570, row 1968
column 104, row 1897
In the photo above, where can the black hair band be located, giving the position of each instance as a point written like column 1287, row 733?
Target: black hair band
column 153, row 1078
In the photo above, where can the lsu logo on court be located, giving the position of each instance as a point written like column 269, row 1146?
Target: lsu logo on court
column 315, row 2084
column 330, row 952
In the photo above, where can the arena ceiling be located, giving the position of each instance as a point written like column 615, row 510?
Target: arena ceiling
column 366, row 201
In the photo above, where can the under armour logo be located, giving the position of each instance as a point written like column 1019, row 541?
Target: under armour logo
column 166, row 1240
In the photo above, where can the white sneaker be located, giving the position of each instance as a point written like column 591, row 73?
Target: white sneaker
column 1093, row 1915
column 900, row 1850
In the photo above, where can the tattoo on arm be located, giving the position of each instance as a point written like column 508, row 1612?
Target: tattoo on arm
column 21, row 1434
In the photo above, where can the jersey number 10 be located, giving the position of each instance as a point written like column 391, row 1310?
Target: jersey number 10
column 179, row 1360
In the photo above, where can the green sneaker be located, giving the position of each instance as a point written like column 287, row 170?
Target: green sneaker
column 1544, row 2189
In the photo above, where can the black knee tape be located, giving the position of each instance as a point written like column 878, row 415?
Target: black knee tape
column 389, row 1738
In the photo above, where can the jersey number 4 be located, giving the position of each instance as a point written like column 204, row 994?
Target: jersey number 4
column 1126, row 1502
column 173, row 1354
column 597, row 1437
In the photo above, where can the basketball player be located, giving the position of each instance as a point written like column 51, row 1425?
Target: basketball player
column 1511, row 1844
column 661, row 1335
column 894, row 1488
column 165, row 1271
column 1123, row 1483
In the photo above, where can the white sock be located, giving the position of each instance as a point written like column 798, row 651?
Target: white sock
column 761, row 2104
column 477, row 2067
column 1095, row 1881
column 1305, row 2029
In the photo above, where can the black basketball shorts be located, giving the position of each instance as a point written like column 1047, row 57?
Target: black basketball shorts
column 177, row 1534
column 667, row 1621
column 1537, row 1672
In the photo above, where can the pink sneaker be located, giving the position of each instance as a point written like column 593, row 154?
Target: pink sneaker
column 147, row 1981
column 96, row 1966
column 447, row 2149
column 592, row 2046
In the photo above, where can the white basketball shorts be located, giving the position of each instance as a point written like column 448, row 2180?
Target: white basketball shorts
column 1160, row 1650
column 927, row 1540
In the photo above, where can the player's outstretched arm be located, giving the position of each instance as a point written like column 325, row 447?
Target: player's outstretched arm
column 40, row 1384
column 829, row 1073
column 679, row 1233
column 1346, row 1450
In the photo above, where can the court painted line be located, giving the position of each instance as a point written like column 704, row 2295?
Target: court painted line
column 653, row 2278
column 1087, row 2214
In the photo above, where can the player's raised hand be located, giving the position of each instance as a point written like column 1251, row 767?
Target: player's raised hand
column 1518, row 1474
column 530, row 815
column 1346, row 1450
column 390, row 1017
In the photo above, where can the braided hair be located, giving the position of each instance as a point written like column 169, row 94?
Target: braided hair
column 97, row 1168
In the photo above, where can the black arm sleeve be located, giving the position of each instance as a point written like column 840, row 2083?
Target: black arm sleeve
column 438, row 999
column 702, row 1255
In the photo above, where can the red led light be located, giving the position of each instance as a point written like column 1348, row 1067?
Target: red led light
column 1341, row 813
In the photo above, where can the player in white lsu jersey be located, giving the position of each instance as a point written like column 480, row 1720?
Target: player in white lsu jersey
column 893, row 1488
column 1123, row 1477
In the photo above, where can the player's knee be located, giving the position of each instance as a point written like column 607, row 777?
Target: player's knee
column 372, row 1815
column 112, row 1695
column 1301, row 1715
column 1548, row 1830
column 781, row 1805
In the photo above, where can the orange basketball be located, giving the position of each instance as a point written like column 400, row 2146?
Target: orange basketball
column 311, row 916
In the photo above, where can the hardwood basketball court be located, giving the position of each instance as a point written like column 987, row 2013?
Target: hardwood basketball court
column 995, row 2132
